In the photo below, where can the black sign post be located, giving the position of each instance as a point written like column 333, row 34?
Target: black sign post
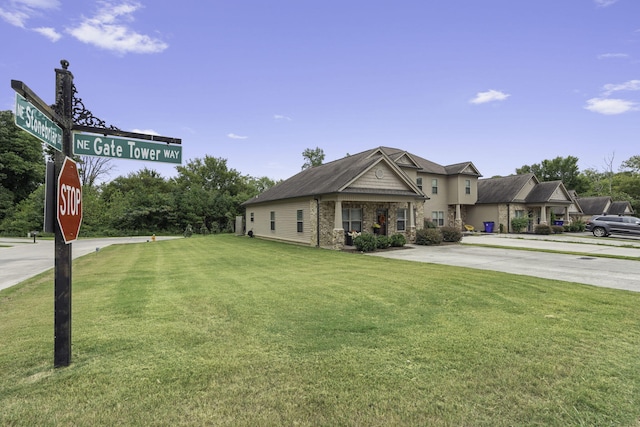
column 44, row 122
column 62, row 321
column 62, row 115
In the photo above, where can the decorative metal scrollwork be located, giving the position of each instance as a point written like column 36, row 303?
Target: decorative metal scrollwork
column 84, row 117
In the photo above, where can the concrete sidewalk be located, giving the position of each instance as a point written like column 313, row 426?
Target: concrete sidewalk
column 580, row 243
column 583, row 266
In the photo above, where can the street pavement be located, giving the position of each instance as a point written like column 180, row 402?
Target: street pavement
column 578, row 261
column 21, row 259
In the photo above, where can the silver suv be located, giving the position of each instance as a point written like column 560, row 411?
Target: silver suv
column 604, row 225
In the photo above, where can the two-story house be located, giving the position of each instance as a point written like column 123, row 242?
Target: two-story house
column 383, row 190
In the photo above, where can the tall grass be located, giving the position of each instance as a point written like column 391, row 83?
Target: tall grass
column 223, row 330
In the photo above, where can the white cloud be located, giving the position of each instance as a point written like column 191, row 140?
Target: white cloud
column 108, row 30
column 49, row 33
column 630, row 85
column 14, row 17
column 147, row 131
column 609, row 106
column 281, row 117
column 18, row 12
column 234, row 136
column 604, row 3
column 489, row 96
column 613, row 55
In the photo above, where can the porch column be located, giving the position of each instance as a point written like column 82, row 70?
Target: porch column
column 567, row 220
column 337, row 221
column 338, row 232
column 411, row 229
column 543, row 214
column 412, row 219
column 458, row 219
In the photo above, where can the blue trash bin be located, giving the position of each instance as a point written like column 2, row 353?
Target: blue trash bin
column 488, row 226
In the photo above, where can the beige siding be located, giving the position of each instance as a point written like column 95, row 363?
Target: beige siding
column 481, row 213
column 559, row 195
column 286, row 220
column 456, row 190
column 526, row 189
column 380, row 176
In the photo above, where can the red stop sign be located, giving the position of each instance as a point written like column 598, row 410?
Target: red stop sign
column 69, row 204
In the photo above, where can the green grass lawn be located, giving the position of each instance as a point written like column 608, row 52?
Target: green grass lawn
column 223, row 330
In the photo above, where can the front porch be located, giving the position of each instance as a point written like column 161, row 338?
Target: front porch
column 340, row 218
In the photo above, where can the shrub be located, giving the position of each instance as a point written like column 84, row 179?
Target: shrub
column 382, row 242
column 428, row 236
column 576, row 226
column 451, row 234
column 542, row 229
column 397, row 240
column 557, row 229
column 517, row 224
column 429, row 224
column 365, row 242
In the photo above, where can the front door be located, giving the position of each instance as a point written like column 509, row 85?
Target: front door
column 381, row 219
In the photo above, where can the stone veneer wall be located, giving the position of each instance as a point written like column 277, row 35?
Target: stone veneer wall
column 326, row 223
column 313, row 221
column 451, row 216
column 334, row 238
column 508, row 212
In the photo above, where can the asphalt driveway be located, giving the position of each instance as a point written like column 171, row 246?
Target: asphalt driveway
column 583, row 266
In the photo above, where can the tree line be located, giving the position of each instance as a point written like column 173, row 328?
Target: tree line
column 206, row 194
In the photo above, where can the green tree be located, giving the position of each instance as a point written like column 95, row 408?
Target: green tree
column 22, row 163
column 26, row 216
column 313, row 157
column 209, row 194
column 632, row 164
column 564, row 169
column 141, row 202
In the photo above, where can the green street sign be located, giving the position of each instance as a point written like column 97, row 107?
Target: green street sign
column 124, row 148
column 35, row 122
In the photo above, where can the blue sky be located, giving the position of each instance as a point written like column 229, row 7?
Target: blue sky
column 501, row 83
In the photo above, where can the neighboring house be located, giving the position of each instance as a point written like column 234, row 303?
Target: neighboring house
column 594, row 205
column 501, row 199
column 575, row 210
column 383, row 190
column 601, row 205
column 620, row 208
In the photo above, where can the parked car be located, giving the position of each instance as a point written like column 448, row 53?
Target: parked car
column 605, row 225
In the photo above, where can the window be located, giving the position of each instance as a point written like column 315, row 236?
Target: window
column 352, row 219
column 401, row 220
column 273, row 221
column 467, row 186
column 419, row 182
column 438, row 218
column 251, row 216
column 434, row 186
column 299, row 220
column 520, row 213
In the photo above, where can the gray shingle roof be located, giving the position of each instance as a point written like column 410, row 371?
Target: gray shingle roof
column 334, row 176
column 502, row 189
column 543, row 191
column 594, row 205
column 620, row 208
